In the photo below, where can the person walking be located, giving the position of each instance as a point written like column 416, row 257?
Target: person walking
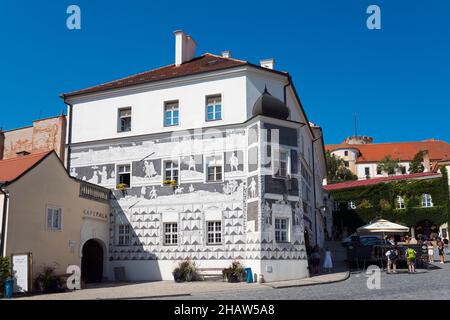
column 392, row 256
column 328, row 262
column 315, row 257
column 430, row 252
column 411, row 259
column 440, row 246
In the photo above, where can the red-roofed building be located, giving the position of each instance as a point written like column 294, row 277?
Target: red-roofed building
column 58, row 219
column 361, row 155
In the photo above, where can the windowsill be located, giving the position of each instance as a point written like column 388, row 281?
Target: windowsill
column 214, row 244
column 283, row 242
column 171, row 126
column 118, row 131
column 213, row 120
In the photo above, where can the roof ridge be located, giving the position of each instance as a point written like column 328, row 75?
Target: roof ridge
column 226, row 58
column 32, row 155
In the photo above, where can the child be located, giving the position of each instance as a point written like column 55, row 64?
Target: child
column 430, row 252
column 328, row 263
column 411, row 259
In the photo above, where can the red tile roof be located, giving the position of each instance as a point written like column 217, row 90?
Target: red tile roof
column 205, row 63
column 368, row 182
column 404, row 151
column 12, row 169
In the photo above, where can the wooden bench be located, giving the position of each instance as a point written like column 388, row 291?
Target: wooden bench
column 210, row 273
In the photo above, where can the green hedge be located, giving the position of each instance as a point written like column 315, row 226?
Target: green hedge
column 380, row 201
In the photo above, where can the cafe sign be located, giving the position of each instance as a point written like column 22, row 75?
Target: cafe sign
column 95, row 214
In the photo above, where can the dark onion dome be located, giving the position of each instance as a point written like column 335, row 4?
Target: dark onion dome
column 269, row 106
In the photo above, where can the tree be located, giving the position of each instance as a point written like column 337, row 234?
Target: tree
column 416, row 165
column 388, row 165
column 337, row 171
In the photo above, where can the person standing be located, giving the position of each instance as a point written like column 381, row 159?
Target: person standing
column 392, row 256
column 411, row 259
column 440, row 246
column 446, row 250
column 430, row 252
column 328, row 262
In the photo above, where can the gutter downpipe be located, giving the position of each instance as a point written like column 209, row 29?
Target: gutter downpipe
column 69, row 137
column 4, row 221
column 314, row 188
column 285, row 89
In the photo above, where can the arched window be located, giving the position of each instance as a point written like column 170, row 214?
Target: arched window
column 427, row 201
column 401, row 202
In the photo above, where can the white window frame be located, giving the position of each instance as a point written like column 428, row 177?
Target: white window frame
column 171, row 233
column 118, row 174
column 276, row 153
column 214, row 232
column 51, row 227
column 285, row 231
column 163, row 169
column 206, row 166
column 427, row 200
column 123, row 233
column 171, row 106
column 119, row 118
column 401, row 202
column 214, row 106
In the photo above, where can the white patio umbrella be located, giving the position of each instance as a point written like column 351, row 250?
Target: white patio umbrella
column 382, row 227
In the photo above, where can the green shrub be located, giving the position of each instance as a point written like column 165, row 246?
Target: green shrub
column 235, row 273
column 186, row 271
column 5, row 273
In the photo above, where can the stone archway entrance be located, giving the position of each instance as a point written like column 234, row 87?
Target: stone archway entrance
column 92, row 262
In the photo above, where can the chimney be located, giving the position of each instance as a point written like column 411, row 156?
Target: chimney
column 267, row 63
column 226, row 54
column 184, row 47
column 2, row 143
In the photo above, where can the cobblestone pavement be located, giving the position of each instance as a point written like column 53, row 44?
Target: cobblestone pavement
column 431, row 285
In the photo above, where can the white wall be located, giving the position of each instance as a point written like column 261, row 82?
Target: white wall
column 97, row 119
column 373, row 170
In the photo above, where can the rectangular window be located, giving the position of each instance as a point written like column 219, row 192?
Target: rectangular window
column 124, row 175
column 171, row 170
column 367, row 171
column 378, row 171
column 280, row 163
column 427, row 202
column 214, row 232
column 281, row 230
column 124, row 238
column 214, row 108
column 170, row 234
column 54, row 217
column 403, row 170
column 124, row 121
column 171, row 114
column 346, row 164
column 401, row 202
column 214, row 168
column 346, row 153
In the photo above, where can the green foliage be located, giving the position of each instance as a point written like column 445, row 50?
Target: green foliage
column 5, row 272
column 48, row 281
column 186, row 271
column 235, row 273
column 416, row 165
column 388, row 165
column 380, row 201
column 337, row 171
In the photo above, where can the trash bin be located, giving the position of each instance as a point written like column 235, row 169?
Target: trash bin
column 9, row 285
column 249, row 275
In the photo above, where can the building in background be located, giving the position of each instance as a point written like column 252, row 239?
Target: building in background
column 210, row 158
column 60, row 220
column 44, row 135
column 362, row 155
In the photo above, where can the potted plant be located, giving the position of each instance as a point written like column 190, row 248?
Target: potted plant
column 48, row 282
column 5, row 273
column 186, row 271
column 235, row 273
column 122, row 187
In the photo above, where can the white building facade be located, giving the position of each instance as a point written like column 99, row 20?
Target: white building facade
column 211, row 158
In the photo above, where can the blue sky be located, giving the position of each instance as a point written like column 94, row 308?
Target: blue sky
column 397, row 79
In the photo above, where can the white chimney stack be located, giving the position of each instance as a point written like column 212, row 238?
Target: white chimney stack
column 184, row 47
column 226, row 54
column 267, row 63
